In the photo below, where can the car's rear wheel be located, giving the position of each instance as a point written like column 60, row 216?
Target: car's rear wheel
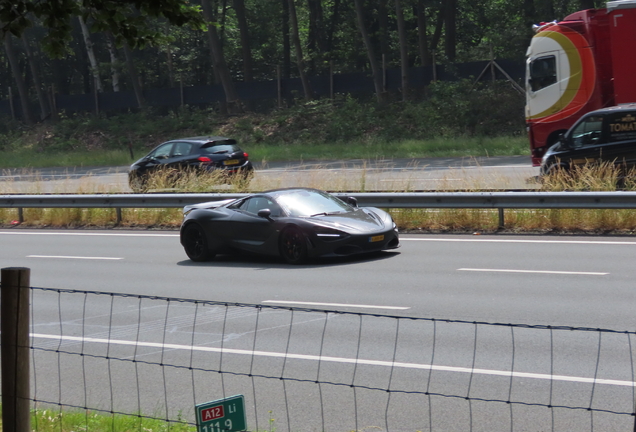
column 293, row 246
column 195, row 244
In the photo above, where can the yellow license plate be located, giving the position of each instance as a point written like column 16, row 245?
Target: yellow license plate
column 231, row 162
column 376, row 238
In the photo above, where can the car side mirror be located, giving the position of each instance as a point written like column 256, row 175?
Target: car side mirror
column 351, row 201
column 562, row 140
column 265, row 213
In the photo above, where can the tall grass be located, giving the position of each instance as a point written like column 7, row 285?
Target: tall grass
column 74, row 421
column 589, row 177
column 602, row 177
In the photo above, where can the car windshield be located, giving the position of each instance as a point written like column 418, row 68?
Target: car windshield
column 305, row 203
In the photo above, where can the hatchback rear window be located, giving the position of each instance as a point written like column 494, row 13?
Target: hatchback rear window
column 220, row 148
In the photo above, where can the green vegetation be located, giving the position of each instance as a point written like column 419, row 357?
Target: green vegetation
column 73, row 421
column 601, row 178
column 450, row 120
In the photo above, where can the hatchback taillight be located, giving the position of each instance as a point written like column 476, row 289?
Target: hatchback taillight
column 204, row 159
column 245, row 155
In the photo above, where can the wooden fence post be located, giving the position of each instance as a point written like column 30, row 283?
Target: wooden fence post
column 14, row 325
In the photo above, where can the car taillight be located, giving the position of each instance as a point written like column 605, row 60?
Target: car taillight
column 245, row 155
column 204, row 159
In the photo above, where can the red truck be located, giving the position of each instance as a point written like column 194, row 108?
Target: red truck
column 574, row 66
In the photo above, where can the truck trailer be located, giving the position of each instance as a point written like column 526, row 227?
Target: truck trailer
column 585, row 62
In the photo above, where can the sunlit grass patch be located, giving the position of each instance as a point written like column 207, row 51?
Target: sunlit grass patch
column 75, row 421
column 332, row 178
column 192, row 180
column 589, row 177
column 445, row 220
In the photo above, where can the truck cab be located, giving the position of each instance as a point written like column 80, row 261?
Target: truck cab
column 577, row 65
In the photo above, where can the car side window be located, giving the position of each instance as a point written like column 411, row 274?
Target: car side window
column 255, row 204
column 162, row 152
column 589, row 132
column 181, row 149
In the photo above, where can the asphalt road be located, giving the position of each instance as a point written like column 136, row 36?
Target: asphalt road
column 511, row 172
column 537, row 280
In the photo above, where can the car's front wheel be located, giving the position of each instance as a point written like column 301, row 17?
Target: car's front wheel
column 195, row 243
column 293, row 246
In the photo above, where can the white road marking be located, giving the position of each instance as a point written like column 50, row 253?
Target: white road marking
column 73, row 257
column 534, row 271
column 337, row 304
column 404, row 365
column 487, row 240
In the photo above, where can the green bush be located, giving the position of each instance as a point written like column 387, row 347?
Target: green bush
column 445, row 110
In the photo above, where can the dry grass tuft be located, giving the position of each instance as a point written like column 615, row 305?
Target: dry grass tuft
column 604, row 177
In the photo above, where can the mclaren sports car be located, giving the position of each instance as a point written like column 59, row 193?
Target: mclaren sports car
column 296, row 224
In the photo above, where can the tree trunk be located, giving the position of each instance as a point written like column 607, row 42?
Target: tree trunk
column 299, row 51
column 375, row 69
column 37, row 82
column 91, row 54
column 114, row 62
column 134, row 77
column 404, row 57
column 332, row 26
column 241, row 16
column 218, row 59
column 437, row 34
column 19, row 81
column 286, row 41
column 317, row 42
column 450, row 23
column 529, row 13
column 587, row 4
column 422, row 39
column 383, row 23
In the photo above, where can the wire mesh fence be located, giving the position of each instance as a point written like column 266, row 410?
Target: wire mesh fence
column 308, row 369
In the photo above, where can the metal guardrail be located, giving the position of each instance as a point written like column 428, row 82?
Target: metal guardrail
column 479, row 200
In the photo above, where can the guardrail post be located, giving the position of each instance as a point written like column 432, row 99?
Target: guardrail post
column 501, row 219
column 20, row 215
column 118, row 211
column 14, row 325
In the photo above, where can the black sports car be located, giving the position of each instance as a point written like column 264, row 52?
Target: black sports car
column 204, row 154
column 295, row 224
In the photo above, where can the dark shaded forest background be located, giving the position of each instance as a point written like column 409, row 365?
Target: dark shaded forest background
column 258, row 40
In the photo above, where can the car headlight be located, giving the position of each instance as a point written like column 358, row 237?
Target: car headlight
column 329, row 234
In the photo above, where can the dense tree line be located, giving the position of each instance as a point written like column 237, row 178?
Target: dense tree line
column 81, row 46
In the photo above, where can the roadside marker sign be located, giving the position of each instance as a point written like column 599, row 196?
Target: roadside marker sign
column 222, row 415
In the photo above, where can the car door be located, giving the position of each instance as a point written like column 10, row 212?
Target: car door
column 621, row 144
column 156, row 159
column 255, row 233
column 585, row 141
column 180, row 155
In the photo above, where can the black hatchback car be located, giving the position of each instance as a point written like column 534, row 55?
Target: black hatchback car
column 204, row 154
column 605, row 135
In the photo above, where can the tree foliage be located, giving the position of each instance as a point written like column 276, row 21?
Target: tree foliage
column 127, row 20
column 166, row 41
